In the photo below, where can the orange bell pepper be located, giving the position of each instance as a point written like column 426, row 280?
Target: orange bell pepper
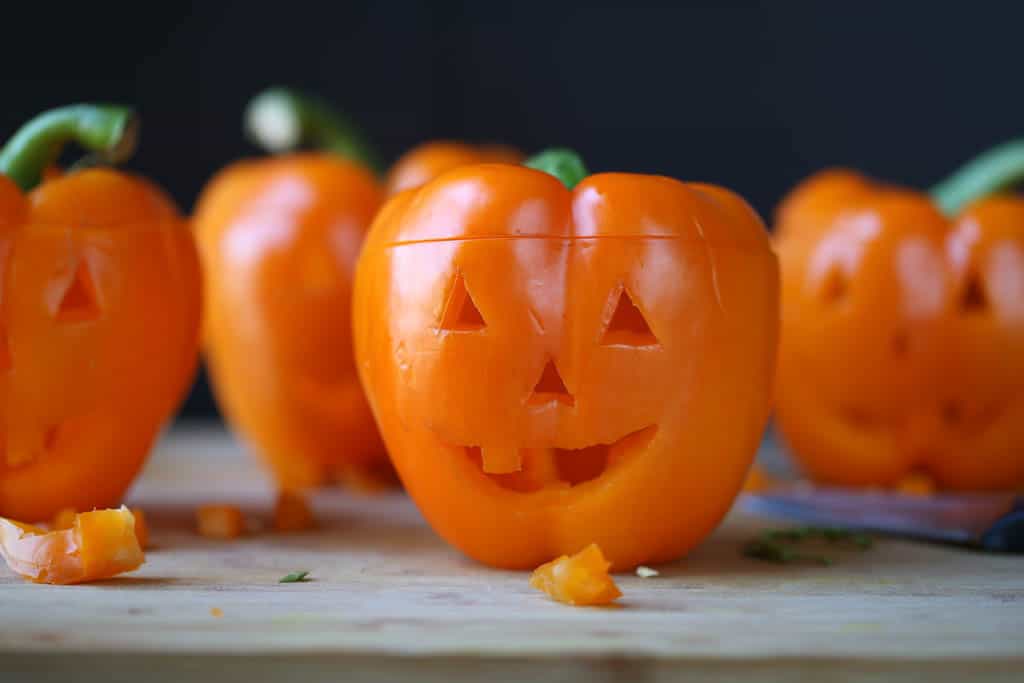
column 99, row 545
column 902, row 350
column 99, row 316
column 279, row 239
column 553, row 367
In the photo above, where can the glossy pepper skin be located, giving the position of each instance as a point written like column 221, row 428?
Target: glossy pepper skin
column 99, row 319
column 552, row 368
column 902, row 349
column 279, row 238
column 429, row 160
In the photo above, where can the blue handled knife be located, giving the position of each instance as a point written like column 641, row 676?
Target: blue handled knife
column 993, row 522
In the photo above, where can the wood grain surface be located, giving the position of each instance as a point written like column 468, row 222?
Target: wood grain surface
column 390, row 601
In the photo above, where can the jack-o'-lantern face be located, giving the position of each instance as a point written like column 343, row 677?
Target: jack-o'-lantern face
column 553, row 368
column 99, row 332
column 983, row 408
column 902, row 336
column 558, row 359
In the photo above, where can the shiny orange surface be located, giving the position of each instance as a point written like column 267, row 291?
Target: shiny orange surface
column 429, row 160
column 99, row 545
column 552, row 369
column 581, row 580
column 902, row 348
column 279, row 239
column 99, row 317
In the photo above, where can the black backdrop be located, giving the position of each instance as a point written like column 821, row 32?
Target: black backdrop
column 751, row 95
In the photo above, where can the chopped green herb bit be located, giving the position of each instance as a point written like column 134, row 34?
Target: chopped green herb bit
column 779, row 553
column 862, row 541
column 776, row 545
column 295, row 577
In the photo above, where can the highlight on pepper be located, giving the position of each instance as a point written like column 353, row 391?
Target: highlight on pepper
column 902, row 355
column 581, row 580
column 98, row 545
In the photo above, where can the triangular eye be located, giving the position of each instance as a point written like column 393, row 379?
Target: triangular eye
column 550, row 387
column 79, row 303
column 627, row 326
column 460, row 313
column 974, row 298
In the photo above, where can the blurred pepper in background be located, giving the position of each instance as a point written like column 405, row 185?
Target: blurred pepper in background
column 279, row 239
column 902, row 349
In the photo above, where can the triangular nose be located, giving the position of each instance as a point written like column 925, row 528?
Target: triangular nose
column 79, row 301
column 550, row 387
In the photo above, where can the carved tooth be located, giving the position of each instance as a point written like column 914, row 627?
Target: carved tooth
column 501, row 459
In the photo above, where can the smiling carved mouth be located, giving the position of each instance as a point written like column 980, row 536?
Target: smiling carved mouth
column 532, row 469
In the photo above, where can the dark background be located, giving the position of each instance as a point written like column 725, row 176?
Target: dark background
column 750, row 95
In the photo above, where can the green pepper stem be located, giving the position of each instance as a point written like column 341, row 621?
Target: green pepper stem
column 110, row 131
column 564, row 164
column 280, row 120
column 997, row 169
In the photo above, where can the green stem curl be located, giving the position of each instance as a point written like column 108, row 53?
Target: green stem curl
column 997, row 169
column 111, row 132
column 564, row 164
column 280, row 120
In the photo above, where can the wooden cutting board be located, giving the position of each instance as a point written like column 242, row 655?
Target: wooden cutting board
column 390, row 601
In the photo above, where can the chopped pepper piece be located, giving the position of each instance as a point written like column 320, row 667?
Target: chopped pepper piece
column 99, row 545
column 916, row 484
column 580, row 580
column 292, row 513
column 220, row 521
